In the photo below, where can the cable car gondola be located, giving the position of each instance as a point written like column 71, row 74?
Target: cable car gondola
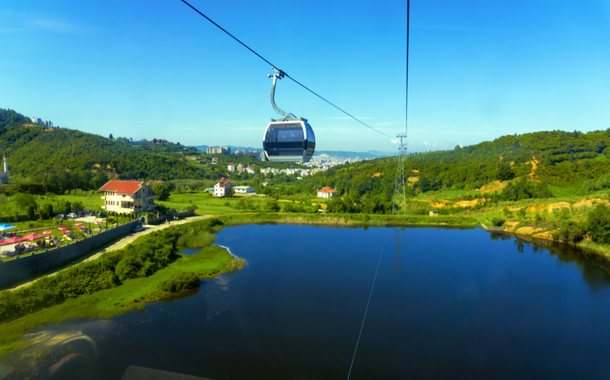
column 290, row 139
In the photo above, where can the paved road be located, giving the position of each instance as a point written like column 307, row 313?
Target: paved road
column 115, row 245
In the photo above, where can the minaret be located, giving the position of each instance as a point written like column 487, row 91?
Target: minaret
column 5, row 164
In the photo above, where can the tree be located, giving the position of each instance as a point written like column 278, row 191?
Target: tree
column 31, row 212
column 49, row 210
column 505, row 172
column 111, row 137
column 598, row 224
column 163, row 191
column 24, row 200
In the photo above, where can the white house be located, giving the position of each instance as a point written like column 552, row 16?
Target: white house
column 244, row 190
column 231, row 167
column 326, row 192
column 222, row 188
column 128, row 197
column 250, row 170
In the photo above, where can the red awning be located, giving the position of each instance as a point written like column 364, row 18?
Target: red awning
column 33, row 236
column 12, row 240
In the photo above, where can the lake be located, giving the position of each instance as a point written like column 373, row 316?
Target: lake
column 452, row 304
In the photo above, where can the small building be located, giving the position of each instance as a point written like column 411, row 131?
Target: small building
column 326, row 192
column 214, row 159
column 250, row 170
column 244, row 190
column 240, row 168
column 208, row 190
column 434, row 213
column 222, row 188
column 128, row 197
column 231, row 167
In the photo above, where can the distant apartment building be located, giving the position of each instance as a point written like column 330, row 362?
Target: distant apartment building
column 128, row 197
column 253, row 153
column 218, row 150
column 36, row 120
column 47, row 123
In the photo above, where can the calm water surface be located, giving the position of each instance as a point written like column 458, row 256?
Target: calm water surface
column 452, row 304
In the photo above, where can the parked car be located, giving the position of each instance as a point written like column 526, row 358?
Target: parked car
column 59, row 216
column 101, row 215
column 137, row 229
column 72, row 215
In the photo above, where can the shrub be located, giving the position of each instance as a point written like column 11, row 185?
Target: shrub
column 598, row 224
column 179, row 281
column 497, row 221
column 569, row 231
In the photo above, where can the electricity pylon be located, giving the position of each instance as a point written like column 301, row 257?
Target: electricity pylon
column 400, row 198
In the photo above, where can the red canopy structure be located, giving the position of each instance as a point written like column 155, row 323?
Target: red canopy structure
column 33, row 236
column 47, row 232
column 81, row 227
column 12, row 240
column 61, row 228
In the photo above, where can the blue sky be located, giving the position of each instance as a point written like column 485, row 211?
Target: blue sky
column 156, row 69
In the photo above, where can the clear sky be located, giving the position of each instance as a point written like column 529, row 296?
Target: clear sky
column 156, row 69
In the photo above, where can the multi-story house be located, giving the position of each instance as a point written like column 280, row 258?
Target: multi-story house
column 222, row 188
column 128, row 197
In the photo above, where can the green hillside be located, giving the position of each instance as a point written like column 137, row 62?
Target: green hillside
column 555, row 162
column 69, row 159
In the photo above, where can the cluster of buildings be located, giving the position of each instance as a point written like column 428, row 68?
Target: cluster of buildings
column 223, row 188
column 218, row 150
column 240, row 168
column 37, row 120
column 253, row 153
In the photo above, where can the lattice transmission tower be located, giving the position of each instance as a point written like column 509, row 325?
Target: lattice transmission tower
column 400, row 198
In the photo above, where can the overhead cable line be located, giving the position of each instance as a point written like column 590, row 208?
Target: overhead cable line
column 281, row 71
column 400, row 167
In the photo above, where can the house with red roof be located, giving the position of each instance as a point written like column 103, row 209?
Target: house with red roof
column 128, row 197
column 222, row 188
column 326, row 192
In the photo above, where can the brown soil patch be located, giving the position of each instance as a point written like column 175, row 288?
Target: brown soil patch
column 493, row 186
column 527, row 230
column 558, row 206
column 591, row 202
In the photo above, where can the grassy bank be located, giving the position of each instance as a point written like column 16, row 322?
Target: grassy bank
column 107, row 303
column 350, row 220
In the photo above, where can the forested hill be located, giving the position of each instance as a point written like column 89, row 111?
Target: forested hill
column 575, row 161
column 73, row 159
